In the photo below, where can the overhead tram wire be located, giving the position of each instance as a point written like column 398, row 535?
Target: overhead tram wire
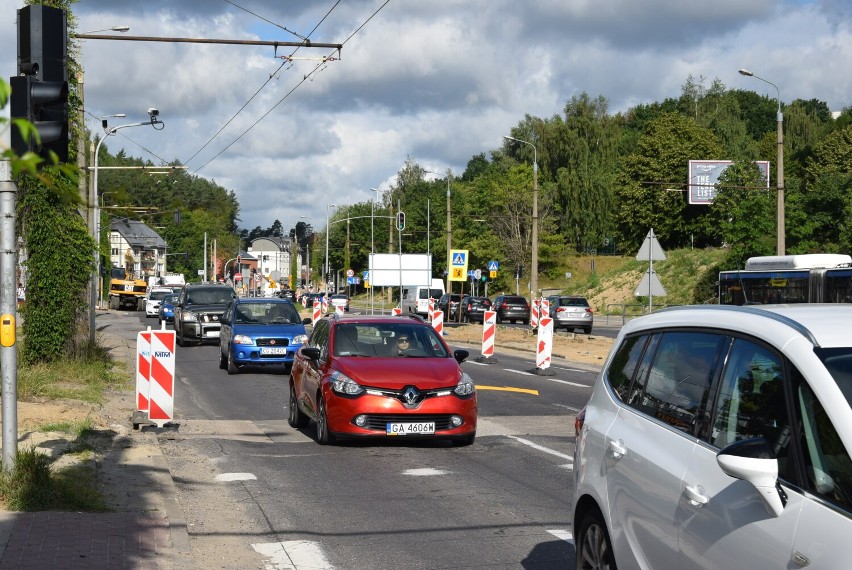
column 306, row 41
column 305, row 78
column 258, row 16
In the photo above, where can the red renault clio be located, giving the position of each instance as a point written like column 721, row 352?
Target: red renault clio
column 381, row 376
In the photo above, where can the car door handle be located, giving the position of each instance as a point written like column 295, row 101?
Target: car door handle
column 617, row 448
column 695, row 495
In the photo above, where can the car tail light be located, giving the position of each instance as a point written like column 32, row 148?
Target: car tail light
column 579, row 421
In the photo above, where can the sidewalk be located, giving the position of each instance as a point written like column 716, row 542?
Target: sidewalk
column 144, row 530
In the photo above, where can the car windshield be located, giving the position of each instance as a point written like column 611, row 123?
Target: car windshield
column 158, row 295
column 218, row 296
column 270, row 313
column 168, row 299
column 573, row 302
column 387, row 340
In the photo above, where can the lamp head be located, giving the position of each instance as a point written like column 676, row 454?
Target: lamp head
column 746, row 72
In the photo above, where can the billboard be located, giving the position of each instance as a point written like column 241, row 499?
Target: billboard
column 395, row 270
column 704, row 175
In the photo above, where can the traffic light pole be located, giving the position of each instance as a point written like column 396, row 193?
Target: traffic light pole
column 8, row 314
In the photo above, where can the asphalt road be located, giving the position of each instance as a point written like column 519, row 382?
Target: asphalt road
column 258, row 492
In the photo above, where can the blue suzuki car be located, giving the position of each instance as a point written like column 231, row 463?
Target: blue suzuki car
column 167, row 309
column 260, row 332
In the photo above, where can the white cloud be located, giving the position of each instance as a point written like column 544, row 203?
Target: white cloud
column 437, row 82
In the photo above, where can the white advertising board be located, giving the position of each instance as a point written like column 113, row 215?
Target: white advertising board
column 704, row 175
column 394, row 270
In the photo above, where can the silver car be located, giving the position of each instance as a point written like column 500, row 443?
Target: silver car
column 571, row 312
column 719, row 437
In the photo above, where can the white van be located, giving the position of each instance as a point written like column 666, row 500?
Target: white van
column 415, row 298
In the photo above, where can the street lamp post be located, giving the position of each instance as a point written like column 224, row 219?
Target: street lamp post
column 325, row 275
column 153, row 120
column 534, row 260
column 780, row 246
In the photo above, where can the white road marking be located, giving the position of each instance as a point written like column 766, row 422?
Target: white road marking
column 293, row 555
column 236, row 477
column 569, row 408
column 574, row 370
column 542, row 448
column 563, row 535
column 424, row 472
column 519, row 372
column 569, row 383
column 476, row 363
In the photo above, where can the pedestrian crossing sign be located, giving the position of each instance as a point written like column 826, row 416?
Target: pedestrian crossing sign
column 493, row 266
column 458, row 264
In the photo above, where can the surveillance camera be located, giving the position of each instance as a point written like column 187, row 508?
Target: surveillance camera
column 153, row 111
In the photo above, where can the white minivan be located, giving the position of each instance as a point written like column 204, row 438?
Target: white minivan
column 415, row 298
column 719, row 437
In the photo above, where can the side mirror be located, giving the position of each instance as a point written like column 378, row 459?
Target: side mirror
column 307, row 321
column 460, row 355
column 752, row 460
column 310, row 352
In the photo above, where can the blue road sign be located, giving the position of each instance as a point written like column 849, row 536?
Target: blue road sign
column 493, row 266
column 459, row 259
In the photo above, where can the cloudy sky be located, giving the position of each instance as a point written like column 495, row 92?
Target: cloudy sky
column 436, row 81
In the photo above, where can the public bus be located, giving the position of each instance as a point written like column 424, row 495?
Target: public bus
column 811, row 278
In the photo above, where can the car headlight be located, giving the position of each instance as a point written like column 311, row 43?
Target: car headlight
column 300, row 339
column 242, row 339
column 189, row 317
column 465, row 387
column 343, row 384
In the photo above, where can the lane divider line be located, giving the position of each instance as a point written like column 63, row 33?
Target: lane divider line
column 542, row 448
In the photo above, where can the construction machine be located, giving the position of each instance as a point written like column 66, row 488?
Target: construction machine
column 126, row 291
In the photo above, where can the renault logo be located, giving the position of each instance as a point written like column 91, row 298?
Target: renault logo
column 410, row 394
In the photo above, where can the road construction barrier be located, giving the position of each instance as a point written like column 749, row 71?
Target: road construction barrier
column 324, row 305
column 544, row 347
column 489, row 327
column 397, row 311
column 317, row 314
column 543, row 309
column 534, row 313
column 338, row 310
column 155, row 375
column 438, row 321
column 431, row 308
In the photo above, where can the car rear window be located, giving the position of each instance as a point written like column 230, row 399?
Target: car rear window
column 573, row 302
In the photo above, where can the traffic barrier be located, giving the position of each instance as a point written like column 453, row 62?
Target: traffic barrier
column 305, row 302
column 324, row 304
column 534, row 313
column 544, row 347
column 438, row 321
column 543, row 308
column 396, row 311
column 143, row 370
column 155, row 375
column 317, row 314
column 431, row 308
column 489, row 327
column 338, row 310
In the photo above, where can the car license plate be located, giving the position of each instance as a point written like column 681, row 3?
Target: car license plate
column 273, row 350
column 410, row 429
column 212, row 334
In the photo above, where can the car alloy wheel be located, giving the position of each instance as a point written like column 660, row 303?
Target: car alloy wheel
column 593, row 548
column 232, row 366
column 323, row 435
column 295, row 417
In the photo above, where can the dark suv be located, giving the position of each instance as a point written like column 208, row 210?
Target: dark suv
column 449, row 304
column 473, row 308
column 512, row 308
column 197, row 312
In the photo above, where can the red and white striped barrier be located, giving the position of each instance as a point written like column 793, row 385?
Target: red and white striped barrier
column 489, row 327
column 397, row 311
column 317, row 314
column 431, row 308
column 338, row 310
column 305, row 302
column 534, row 313
column 155, row 375
column 544, row 347
column 438, row 321
column 324, row 305
column 543, row 309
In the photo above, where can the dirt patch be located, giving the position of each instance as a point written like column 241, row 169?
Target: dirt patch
column 586, row 349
